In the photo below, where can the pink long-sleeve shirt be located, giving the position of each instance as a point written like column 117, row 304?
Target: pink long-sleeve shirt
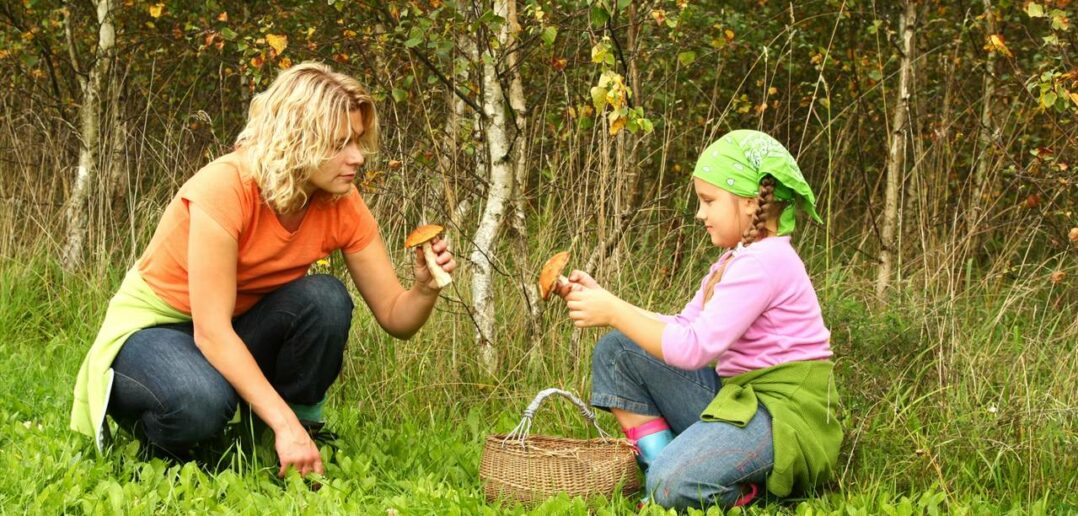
column 764, row 312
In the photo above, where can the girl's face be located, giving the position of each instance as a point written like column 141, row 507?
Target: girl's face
column 725, row 215
column 335, row 176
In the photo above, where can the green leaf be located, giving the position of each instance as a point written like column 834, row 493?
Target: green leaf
column 875, row 74
column 646, row 125
column 686, row 58
column 1034, row 10
column 229, row 34
column 399, row 95
column 1048, row 99
column 600, row 52
column 549, row 35
column 599, row 15
column 414, row 41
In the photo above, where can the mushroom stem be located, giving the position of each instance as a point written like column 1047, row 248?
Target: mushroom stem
column 441, row 277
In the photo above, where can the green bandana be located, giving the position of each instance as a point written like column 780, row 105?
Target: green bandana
column 739, row 160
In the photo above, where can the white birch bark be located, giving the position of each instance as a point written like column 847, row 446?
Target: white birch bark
column 986, row 135
column 897, row 151
column 518, row 220
column 89, row 132
column 499, row 189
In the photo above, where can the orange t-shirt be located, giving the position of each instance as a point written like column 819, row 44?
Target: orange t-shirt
column 269, row 255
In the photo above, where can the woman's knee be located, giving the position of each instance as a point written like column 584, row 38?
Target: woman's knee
column 329, row 300
column 190, row 415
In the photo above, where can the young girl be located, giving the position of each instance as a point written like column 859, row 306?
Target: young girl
column 735, row 393
column 220, row 308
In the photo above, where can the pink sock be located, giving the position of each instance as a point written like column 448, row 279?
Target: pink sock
column 655, row 425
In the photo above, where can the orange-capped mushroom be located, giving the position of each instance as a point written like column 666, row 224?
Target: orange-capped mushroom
column 422, row 236
column 550, row 275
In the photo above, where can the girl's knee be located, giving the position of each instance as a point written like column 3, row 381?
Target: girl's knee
column 610, row 347
column 678, row 481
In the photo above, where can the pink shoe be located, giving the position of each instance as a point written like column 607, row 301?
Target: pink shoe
column 747, row 497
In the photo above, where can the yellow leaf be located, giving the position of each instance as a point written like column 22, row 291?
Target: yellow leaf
column 278, row 42
column 616, row 125
column 1074, row 98
column 223, row 17
column 156, row 10
column 284, row 64
column 996, row 44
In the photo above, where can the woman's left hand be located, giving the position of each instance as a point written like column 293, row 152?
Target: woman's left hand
column 594, row 306
column 444, row 258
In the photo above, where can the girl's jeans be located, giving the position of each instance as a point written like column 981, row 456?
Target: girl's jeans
column 169, row 395
column 707, row 462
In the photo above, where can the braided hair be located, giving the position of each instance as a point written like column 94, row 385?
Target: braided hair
column 756, row 231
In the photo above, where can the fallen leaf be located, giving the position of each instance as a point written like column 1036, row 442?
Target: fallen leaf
column 1057, row 276
column 1073, row 235
column 278, row 42
column 156, row 10
column 395, row 164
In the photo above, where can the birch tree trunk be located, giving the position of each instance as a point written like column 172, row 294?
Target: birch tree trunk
column 518, row 220
column 986, row 136
column 499, row 189
column 92, row 86
column 897, row 152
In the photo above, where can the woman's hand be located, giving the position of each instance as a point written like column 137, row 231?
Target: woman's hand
column 423, row 276
column 591, row 306
column 295, row 448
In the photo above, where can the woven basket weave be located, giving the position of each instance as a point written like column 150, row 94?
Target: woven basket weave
column 532, row 468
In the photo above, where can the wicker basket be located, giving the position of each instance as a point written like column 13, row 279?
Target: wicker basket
column 530, row 468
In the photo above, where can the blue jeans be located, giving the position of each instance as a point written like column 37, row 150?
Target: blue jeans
column 708, row 462
column 171, row 398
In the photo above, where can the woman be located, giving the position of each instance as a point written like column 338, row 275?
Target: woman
column 220, row 308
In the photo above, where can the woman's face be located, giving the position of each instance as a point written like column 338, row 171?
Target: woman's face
column 336, row 175
column 725, row 215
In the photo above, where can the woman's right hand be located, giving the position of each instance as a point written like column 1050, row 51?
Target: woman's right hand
column 295, row 448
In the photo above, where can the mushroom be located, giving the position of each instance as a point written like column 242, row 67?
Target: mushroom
column 550, row 276
column 422, row 236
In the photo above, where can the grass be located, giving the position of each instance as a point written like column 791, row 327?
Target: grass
column 960, row 404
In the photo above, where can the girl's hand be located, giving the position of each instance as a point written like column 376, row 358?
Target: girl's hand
column 296, row 449
column 577, row 280
column 591, row 306
column 582, row 279
column 445, row 260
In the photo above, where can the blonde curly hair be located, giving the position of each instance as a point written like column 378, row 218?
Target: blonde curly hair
column 293, row 126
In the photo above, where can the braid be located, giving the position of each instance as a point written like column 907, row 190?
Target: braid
column 755, row 232
column 758, row 229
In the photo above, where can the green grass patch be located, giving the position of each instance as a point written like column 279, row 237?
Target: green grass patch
column 961, row 405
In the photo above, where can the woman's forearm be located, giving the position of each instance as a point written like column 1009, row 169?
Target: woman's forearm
column 227, row 353
column 410, row 311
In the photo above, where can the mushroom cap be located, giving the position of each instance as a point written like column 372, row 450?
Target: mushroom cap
column 422, row 234
column 548, row 276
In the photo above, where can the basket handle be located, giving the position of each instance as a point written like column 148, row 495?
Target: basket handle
column 524, row 427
